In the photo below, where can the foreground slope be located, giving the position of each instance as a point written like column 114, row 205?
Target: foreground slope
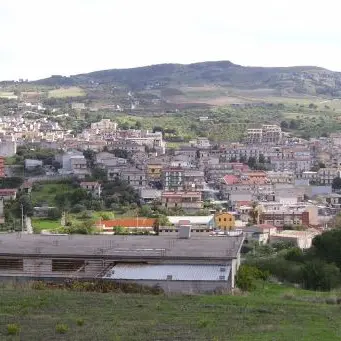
column 268, row 314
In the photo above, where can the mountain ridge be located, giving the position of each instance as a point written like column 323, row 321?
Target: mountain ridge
column 309, row 80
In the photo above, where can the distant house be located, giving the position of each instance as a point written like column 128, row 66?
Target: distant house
column 259, row 233
column 93, row 187
column 31, row 164
column 301, row 239
column 8, row 194
column 188, row 201
column 224, row 220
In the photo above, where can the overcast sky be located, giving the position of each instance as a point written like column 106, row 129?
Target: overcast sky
column 44, row 37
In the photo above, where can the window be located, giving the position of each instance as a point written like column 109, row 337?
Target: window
column 224, row 219
column 11, row 264
column 169, row 277
column 221, row 278
column 219, row 219
column 67, row 265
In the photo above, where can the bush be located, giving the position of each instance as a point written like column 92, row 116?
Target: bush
column 78, row 208
column 62, row 328
column 80, row 322
column 294, row 254
column 247, row 275
column 319, row 275
column 13, row 329
column 54, row 213
column 280, row 268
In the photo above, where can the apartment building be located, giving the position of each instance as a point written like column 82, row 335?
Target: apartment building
column 327, row 175
column 188, row 201
column 172, row 178
column 265, row 134
column 291, row 216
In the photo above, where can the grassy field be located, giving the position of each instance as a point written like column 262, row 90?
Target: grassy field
column 6, row 94
column 46, row 193
column 73, row 91
column 39, row 224
column 272, row 313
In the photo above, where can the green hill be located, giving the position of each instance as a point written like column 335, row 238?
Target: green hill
column 308, row 80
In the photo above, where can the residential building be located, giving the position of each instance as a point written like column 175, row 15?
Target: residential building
column 258, row 233
column 301, row 239
column 31, row 164
column 2, row 167
column 154, row 171
column 291, row 216
column 224, row 221
column 104, row 125
column 327, row 175
column 8, row 194
column 134, row 177
column 266, row 134
column 93, row 187
column 188, row 201
column 172, row 178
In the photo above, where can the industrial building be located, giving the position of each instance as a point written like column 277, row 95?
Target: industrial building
column 176, row 264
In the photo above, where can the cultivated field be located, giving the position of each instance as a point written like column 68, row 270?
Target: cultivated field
column 271, row 313
column 73, row 91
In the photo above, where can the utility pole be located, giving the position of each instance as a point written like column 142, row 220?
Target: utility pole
column 22, row 217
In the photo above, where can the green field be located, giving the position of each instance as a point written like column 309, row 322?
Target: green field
column 271, row 313
column 6, row 94
column 73, row 91
column 46, row 193
column 39, row 224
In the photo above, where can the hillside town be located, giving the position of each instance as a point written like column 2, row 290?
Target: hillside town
column 271, row 186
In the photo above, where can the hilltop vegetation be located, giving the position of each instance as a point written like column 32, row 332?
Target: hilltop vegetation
column 285, row 80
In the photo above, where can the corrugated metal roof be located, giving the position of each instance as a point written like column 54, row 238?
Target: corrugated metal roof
column 170, row 272
column 195, row 220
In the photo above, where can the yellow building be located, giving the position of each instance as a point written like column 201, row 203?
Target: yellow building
column 224, row 220
column 154, row 171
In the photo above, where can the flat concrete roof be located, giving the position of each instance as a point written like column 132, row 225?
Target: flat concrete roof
column 119, row 247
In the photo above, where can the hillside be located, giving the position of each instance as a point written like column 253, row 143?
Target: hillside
column 270, row 313
column 283, row 81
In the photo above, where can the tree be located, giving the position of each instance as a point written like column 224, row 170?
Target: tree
column 336, row 184
column 254, row 213
column 284, row 125
column 261, row 158
column 242, row 158
column 319, row 275
column 90, row 157
column 54, row 213
column 327, row 246
column 251, row 162
column 248, row 275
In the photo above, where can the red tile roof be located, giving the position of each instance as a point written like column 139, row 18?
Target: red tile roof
column 135, row 222
column 230, row 179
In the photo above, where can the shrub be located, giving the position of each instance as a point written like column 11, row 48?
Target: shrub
column 319, row 275
column 54, row 213
column 247, row 275
column 13, row 329
column 80, row 322
column 203, row 323
column 294, row 254
column 78, row 208
column 62, row 328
